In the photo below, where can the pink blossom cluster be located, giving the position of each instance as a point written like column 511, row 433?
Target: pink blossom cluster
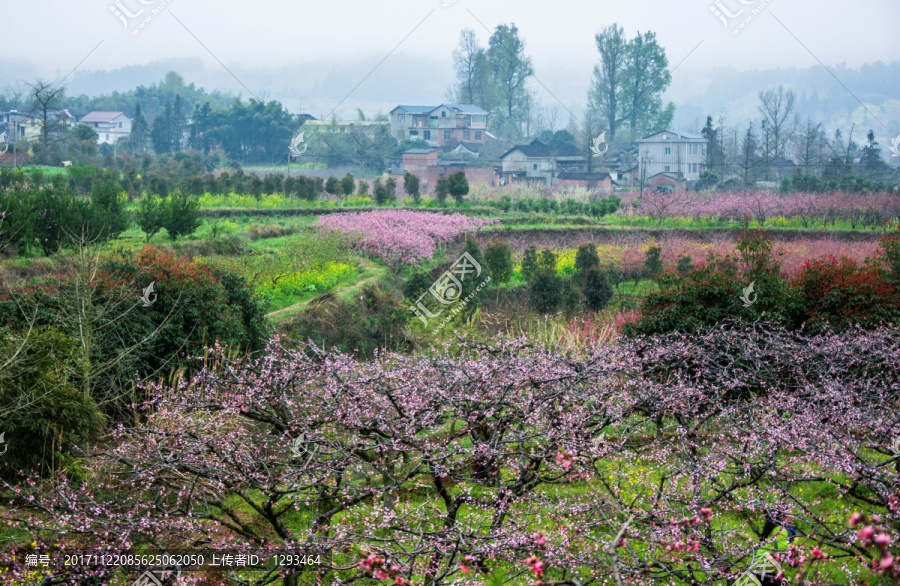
column 401, row 237
column 813, row 209
column 660, row 452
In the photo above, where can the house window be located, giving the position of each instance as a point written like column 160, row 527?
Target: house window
column 668, row 150
column 401, row 117
column 96, row 125
column 466, row 134
column 668, row 168
column 446, row 135
column 120, row 125
column 414, row 133
column 107, row 136
column 535, row 167
column 477, row 134
column 443, row 113
column 427, row 135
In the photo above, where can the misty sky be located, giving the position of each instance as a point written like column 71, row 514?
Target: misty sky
column 53, row 36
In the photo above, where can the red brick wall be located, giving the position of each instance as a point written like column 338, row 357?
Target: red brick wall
column 473, row 175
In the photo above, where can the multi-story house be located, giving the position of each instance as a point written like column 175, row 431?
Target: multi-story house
column 677, row 153
column 19, row 127
column 109, row 126
column 447, row 124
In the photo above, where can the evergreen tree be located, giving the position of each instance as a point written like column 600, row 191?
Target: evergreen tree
column 163, row 131
column 498, row 257
column 411, row 186
column 442, row 189
column 586, row 257
column 140, row 131
column 333, row 186
column 530, row 264
column 546, row 292
column 348, row 184
column 182, row 215
column 653, row 263
column 596, row 289
column 390, row 187
column 458, row 186
column 151, row 215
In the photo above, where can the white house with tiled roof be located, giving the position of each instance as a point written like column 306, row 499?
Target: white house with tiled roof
column 109, row 126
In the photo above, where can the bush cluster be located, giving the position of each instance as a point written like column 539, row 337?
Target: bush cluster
column 828, row 293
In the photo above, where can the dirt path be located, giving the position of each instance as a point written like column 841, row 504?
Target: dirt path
column 370, row 274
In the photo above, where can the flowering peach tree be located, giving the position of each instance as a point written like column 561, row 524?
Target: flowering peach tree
column 654, row 461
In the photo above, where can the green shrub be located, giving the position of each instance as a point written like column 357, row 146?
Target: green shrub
column 375, row 321
column 530, row 265
column 333, row 186
column 546, row 292
column 182, row 215
column 653, row 263
column 586, row 257
column 458, row 185
column 838, row 293
column 685, row 265
column 498, row 257
column 417, row 284
column 42, row 414
column 596, row 289
column 411, row 186
column 348, row 184
column 442, row 190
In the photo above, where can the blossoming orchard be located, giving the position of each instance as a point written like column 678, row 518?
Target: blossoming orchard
column 667, row 388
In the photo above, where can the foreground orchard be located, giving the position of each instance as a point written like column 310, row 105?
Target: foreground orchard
column 654, row 461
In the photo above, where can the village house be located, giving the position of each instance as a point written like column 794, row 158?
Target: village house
column 680, row 153
column 447, row 124
column 670, row 181
column 109, row 126
column 538, row 162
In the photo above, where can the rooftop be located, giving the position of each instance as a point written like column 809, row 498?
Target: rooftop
column 101, row 116
column 536, row 148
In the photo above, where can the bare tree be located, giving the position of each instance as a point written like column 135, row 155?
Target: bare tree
column 467, row 59
column 45, row 100
column 776, row 107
